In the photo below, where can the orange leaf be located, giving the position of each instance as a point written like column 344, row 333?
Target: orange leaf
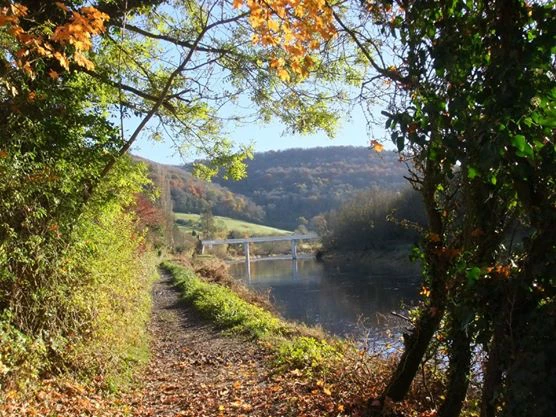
column 4, row 20
column 433, row 237
column 377, row 146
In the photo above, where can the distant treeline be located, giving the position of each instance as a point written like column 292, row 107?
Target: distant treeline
column 375, row 219
column 288, row 189
column 303, row 183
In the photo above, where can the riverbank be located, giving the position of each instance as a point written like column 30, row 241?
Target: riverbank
column 332, row 377
column 217, row 351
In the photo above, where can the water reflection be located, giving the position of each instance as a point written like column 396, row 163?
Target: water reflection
column 345, row 301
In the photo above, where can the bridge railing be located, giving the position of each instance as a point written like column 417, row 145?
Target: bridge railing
column 260, row 239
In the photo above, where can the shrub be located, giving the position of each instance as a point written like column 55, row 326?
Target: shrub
column 307, row 353
column 60, row 278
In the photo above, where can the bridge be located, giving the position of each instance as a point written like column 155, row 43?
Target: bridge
column 260, row 239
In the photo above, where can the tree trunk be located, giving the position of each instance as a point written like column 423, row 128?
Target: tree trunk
column 493, row 372
column 417, row 342
column 416, row 346
column 458, row 375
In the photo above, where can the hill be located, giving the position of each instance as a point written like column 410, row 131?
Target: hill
column 192, row 195
column 307, row 182
column 190, row 222
column 287, row 188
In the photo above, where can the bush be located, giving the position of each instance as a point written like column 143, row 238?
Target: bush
column 60, row 278
column 307, row 353
column 20, row 356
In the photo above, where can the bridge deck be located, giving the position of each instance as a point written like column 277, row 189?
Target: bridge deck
column 259, row 239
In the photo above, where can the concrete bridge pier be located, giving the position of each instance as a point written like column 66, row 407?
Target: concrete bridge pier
column 294, row 249
column 246, row 252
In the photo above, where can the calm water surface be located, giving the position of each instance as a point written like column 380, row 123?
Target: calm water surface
column 349, row 301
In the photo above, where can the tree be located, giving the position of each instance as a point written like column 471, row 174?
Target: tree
column 477, row 119
column 472, row 105
column 207, row 224
column 65, row 180
column 67, row 68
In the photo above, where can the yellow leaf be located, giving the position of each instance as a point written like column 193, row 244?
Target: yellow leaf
column 273, row 25
column 63, row 60
column 82, row 61
column 377, row 146
column 277, row 63
column 19, row 9
column 284, row 75
column 425, row 292
column 327, row 391
column 221, row 408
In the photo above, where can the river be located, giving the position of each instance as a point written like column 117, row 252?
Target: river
column 346, row 301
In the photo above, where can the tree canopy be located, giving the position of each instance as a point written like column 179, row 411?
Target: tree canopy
column 469, row 89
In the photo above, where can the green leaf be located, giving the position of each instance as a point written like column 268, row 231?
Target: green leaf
column 519, row 142
column 472, row 173
column 473, row 274
column 524, row 149
column 400, row 143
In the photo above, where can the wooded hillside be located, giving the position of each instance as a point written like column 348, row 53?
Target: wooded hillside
column 282, row 186
column 306, row 182
column 193, row 195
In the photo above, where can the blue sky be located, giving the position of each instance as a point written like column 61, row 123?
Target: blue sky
column 270, row 137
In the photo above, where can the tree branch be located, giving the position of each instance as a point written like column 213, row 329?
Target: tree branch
column 176, row 41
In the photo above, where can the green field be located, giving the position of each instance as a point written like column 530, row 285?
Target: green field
column 231, row 225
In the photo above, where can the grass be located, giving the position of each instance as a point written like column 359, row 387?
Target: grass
column 342, row 372
column 232, row 225
column 293, row 346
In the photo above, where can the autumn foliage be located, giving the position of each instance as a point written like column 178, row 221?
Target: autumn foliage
column 298, row 27
column 66, row 41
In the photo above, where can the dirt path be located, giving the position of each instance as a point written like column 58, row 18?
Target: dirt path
column 197, row 371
